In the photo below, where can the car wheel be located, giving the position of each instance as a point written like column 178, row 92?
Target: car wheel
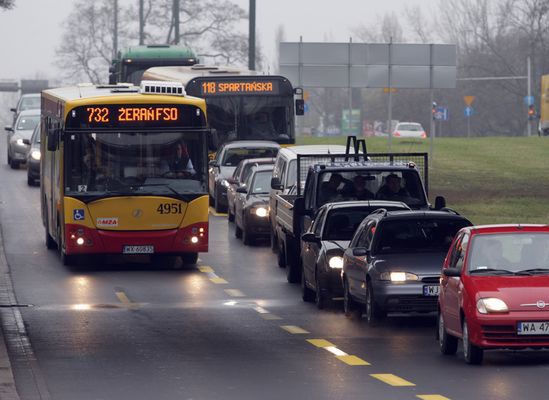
column 321, row 299
column 373, row 311
column 217, row 203
column 189, row 258
column 448, row 344
column 281, row 256
column 472, row 354
column 274, row 241
column 246, row 238
column 14, row 164
column 350, row 307
column 237, row 231
column 293, row 271
column 30, row 181
column 306, row 294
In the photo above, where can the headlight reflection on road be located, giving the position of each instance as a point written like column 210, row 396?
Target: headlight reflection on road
column 81, row 307
column 80, row 289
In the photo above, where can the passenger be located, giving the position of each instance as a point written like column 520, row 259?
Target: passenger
column 358, row 190
column 392, row 190
column 490, row 255
column 261, row 126
column 330, row 189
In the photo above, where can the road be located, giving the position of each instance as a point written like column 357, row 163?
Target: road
column 230, row 329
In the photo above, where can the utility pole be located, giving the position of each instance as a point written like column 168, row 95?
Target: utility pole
column 141, row 23
column 176, row 21
column 251, row 37
column 115, row 34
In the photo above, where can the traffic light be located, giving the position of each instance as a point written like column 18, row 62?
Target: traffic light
column 531, row 111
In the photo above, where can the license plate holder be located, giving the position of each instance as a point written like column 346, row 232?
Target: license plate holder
column 431, row 290
column 137, row 249
column 533, row 328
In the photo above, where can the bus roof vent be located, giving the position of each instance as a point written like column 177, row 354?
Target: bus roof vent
column 204, row 67
column 159, row 87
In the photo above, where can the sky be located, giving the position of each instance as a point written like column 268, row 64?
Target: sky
column 30, row 33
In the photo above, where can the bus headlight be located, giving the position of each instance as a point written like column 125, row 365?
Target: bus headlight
column 35, row 155
column 261, row 212
column 194, row 240
column 336, row 262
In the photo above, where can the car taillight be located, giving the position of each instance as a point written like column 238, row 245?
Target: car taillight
column 396, row 134
column 423, row 135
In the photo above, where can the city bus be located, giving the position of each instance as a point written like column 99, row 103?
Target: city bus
column 130, row 63
column 242, row 105
column 108, row 182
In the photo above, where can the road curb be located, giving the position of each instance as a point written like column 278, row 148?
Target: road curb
column 8, row 390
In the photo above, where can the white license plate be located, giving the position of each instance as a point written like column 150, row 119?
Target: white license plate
column 533, row 328
column 138, row 250
column 431, row 290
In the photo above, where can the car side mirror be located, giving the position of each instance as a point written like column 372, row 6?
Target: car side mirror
column 310, row 237
column 451, row 272
column 27, row 142
column 440, row 202
column 9, row 128
column 13, row 109
column 360, row 252
column 242, row 189
column 276, row 184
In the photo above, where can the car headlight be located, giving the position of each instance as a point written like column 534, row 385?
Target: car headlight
column 224, row 183
column 261, row 212
column 491, row 305
column 35, row 155
column 397, row 276
column 336, row 262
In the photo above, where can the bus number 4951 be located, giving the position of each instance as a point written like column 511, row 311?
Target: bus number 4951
column 169, row 208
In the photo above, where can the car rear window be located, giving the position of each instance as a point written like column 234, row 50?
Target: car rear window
column 416, row 235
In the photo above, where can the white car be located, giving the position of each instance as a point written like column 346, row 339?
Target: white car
column 409, row 130
column 21, row 130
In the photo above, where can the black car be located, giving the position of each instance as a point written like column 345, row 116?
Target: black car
column 240, row 175
column 394, row 261
column 33, row 157
column 251, row 211
column 227, row 159
column 322, row 246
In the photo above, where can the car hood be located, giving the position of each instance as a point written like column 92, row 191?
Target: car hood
column 515, row 291
column 422, row 264
column 226, row 172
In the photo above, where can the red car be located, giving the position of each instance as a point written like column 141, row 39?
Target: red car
column 494, row 290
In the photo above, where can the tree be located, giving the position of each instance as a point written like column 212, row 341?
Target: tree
column 7, row 4
column 389, row 30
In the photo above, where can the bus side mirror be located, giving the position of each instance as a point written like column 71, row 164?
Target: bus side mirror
column 276, row 184
column 299, row 107
column 53, row 139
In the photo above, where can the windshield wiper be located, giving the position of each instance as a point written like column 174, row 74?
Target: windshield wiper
column 531, row 271
column 481, row 270
column 136, row 187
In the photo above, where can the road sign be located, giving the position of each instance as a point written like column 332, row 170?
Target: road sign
column 9, row 86
column 468, row 100
column 528, row 100
column 469, row 111
column 392, row 90
column 441, row 114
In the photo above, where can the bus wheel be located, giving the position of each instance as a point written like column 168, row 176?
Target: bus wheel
column 189, row 258
column 50, row 243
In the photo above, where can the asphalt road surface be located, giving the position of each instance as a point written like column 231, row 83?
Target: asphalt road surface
column 232, row 328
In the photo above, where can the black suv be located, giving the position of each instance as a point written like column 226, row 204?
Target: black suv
column 394, row 260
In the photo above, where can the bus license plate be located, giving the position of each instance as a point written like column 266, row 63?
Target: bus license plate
column 138, row 250
column 431, row 290
column 533, row 328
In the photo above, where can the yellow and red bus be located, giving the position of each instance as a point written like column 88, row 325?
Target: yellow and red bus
column 107, row 181
column 242, row 104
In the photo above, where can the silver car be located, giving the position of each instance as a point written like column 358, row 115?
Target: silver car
column 22, row 129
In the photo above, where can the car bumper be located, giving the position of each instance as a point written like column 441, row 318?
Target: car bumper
column 259, row 226
column 405, row 297
column 33, row 168
column 330, row 280
column 501, row 331
column 19, row 153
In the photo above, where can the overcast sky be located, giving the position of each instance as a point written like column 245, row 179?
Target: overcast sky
column 31, row 31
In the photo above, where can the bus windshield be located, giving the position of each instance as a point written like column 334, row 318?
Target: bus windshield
column 251, row 117
column 135, row 163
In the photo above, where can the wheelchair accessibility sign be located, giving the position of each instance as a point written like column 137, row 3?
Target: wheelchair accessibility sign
column 78, row 214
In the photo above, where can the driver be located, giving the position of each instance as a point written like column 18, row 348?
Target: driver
column 180, row 164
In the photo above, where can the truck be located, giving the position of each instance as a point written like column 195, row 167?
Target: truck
column 295, row 212
column 130, row 64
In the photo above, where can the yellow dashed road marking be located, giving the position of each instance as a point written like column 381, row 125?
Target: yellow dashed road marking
column 431, row 397
column 294, row 330
column 219, row 281
column 125, row 300
column 234, row 293
column 216, row 214
column 205, row 269
column 392, row 380
column 270, row 317
column 261, row 310
column 320, row 343
column 352, row 360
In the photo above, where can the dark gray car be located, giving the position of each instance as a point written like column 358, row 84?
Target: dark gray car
column 227, row 159
column 394, row 261
column 33, row 157
column 21, row 130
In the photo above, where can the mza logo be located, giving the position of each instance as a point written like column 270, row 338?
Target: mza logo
column 78, row 214
column 107, row 222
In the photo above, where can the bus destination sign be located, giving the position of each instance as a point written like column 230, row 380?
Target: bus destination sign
column 238, row 87
column 113, row 116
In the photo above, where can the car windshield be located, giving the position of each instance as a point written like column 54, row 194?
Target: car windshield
column 234, row 155
column 416, row 235
column 30, row 103
column 404, row 186
column 512, row 252
column 262, row 182
column 135, row 163
column 410, row 127
column 27, row 122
